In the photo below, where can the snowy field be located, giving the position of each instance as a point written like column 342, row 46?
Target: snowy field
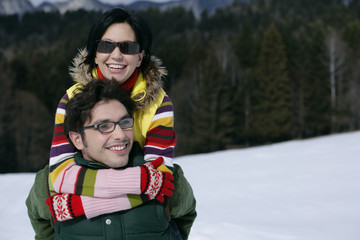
column 297, row 190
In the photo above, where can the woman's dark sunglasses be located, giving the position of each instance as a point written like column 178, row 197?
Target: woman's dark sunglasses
column 129, row 48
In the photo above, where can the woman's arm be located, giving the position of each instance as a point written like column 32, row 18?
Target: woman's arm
column 160, row 138
column 156, row 185
column 69, row 177
column 65, row 207
column 61, row 149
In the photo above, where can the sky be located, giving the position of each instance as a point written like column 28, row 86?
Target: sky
column 38, row 2
column 296, row 190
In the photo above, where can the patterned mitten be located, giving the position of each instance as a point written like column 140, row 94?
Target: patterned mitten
column 154, row 183
column 64, row 207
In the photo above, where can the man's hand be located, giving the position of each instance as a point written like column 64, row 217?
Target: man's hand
column 154, row 183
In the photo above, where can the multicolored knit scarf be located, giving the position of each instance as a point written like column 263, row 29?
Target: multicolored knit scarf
column 126, row 85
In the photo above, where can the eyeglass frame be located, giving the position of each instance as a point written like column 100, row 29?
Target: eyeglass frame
column 120, row 45
column 96, row 126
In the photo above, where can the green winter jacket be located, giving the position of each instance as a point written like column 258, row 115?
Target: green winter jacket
column 143, row 222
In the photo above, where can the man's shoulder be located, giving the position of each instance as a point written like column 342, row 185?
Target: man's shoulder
column 39, row 193
column 42, row 175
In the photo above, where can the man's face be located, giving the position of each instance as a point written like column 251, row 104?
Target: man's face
column 111, row 149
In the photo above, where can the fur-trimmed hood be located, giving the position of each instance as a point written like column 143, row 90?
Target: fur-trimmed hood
column 142, row 96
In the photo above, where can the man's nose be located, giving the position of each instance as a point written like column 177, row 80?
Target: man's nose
column 118, row 131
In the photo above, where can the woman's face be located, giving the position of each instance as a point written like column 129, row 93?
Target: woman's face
column 116, row 65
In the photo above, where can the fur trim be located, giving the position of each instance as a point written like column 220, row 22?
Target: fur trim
column 79, row 72
column 154, row 77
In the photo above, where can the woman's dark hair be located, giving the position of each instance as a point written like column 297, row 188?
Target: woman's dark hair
column 78, row 109
column 119, row 15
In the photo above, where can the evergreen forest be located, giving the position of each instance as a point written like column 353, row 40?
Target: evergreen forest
column 253, row 73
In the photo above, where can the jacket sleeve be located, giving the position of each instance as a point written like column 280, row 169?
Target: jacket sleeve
column 182, row 203
column 37, row 209
column 160, row 138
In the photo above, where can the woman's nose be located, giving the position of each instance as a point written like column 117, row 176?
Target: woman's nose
column 116, row 54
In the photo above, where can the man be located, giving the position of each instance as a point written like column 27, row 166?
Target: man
column 99, row 123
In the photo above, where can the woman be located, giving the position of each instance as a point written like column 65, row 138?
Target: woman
column 118, row 47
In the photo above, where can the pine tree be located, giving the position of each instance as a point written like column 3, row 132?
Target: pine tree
column 351, row 35
column 244, row 46
column 212, row 117
column 7, row 126
column 316, row 84
column 182, row 95
column 271, row 115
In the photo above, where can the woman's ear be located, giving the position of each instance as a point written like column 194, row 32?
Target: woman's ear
column 77, row 140
column 141, row 56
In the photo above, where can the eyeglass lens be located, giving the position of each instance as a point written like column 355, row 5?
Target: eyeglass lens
column 129, row 48
column 110, row 126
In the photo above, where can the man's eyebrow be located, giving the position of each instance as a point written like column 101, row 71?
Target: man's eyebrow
column 108, row 120
column 101, row 121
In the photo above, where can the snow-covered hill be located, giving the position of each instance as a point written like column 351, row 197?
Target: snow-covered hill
column 15, row 7
column 22, row 6
column 73, row 5
column 297, row 190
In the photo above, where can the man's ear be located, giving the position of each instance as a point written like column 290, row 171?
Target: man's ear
column 76, row 139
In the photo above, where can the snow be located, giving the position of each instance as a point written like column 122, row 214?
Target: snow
column 296, row 190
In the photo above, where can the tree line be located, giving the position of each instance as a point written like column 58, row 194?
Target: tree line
column 250, row 74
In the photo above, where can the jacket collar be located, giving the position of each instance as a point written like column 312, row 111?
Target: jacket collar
column 146, row 86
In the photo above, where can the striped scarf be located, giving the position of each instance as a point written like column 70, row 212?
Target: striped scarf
column 128, row 85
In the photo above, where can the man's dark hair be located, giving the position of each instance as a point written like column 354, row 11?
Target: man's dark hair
column 78, row 109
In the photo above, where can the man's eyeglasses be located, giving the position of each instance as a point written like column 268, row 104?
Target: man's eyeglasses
column 128, row 48
column 108, row 127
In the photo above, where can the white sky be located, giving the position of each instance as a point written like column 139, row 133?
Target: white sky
column 38, row 2
column 296, row 190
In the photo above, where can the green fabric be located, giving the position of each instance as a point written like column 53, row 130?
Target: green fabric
column 38, row 211
column 145, row 222
column 182, row 203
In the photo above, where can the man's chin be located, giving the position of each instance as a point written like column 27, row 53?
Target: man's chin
column 118, row 163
